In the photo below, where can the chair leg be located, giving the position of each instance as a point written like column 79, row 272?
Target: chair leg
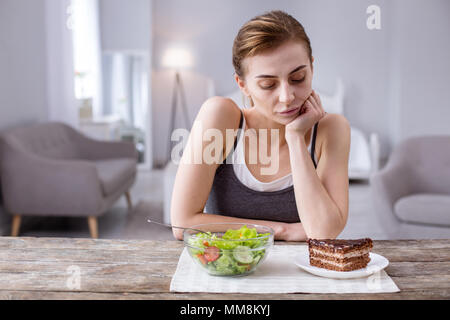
column 93, row 228
column 15, row 227
column 129, row 203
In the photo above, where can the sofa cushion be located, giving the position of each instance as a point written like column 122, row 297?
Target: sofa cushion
column 424, row 208
column 49, row 140
column 113, row 173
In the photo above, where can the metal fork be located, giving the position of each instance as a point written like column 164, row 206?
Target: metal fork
column 171, row 226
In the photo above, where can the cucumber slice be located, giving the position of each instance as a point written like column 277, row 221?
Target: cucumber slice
column 243, row 254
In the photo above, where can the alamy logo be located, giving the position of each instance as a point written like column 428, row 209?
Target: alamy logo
column 374, row 20
column 206, row 146
column 373, row 282
column 74, row 280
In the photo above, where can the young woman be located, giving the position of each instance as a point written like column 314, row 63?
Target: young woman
column 307, row 196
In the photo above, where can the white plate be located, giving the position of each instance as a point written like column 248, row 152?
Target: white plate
column 376, row 264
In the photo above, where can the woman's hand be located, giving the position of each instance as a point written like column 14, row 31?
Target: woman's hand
column 310, row 113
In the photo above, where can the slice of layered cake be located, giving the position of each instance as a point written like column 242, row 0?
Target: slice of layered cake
column 339, row 255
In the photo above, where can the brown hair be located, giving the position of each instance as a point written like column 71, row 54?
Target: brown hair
column 265, row 32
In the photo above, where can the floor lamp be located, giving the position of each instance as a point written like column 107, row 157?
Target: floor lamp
column 177, row 58
column 178, row 90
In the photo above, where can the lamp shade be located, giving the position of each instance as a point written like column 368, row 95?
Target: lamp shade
column 177, row 58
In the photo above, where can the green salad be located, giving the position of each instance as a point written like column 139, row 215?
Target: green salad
column 231, row 254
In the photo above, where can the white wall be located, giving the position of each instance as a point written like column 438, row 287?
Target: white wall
column 23, row 97
column 420, row 100
column 344, row 47
column 125, row 25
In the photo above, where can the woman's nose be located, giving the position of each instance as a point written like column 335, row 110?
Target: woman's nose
column 286, row 94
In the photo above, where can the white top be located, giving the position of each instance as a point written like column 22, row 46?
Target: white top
column 246, row 177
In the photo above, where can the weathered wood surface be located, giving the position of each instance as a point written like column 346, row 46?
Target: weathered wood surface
column 39, row 268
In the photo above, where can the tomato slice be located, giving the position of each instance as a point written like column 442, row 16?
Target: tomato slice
column 212, row 253
column 202, row 258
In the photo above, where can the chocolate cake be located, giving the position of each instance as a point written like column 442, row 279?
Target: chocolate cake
column 339, row 255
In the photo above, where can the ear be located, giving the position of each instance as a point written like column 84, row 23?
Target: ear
column 312, row 61
column 241, row 84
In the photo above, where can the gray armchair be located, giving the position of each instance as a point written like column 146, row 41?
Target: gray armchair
column 53, row 170
column 412, row 192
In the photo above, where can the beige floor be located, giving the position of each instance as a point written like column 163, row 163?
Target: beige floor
column 147, row 195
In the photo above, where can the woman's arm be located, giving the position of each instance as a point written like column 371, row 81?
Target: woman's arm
column 193, row 181
column 321, row 194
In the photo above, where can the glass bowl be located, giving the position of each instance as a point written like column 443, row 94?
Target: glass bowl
column 228, row 249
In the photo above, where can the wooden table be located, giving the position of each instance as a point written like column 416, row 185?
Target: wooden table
column 64, row 268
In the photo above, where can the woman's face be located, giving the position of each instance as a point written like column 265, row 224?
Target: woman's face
column 278, row 81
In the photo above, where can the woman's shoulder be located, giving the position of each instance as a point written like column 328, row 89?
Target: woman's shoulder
column 333, row 129
column 220, row 112
column 334, row 121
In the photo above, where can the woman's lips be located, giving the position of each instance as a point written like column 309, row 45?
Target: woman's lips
column 290, row 112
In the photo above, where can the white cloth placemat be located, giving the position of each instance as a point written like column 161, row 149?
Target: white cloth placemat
column 277, row 274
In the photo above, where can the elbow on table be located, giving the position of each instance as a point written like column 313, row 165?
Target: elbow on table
column 178, row 218
column 324, row 233
column 177, row 233
column 183, row 220
column 327, row 230
column 183, row 223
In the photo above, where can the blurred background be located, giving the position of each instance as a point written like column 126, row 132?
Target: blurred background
column 135, row 70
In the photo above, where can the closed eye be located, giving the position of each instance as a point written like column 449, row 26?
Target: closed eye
column 268, row 87
column 298, row 80
column 272, row 85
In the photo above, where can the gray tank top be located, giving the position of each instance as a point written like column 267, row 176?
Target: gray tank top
column 230, row 197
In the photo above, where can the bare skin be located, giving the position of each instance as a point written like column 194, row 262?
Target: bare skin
column 276, row 81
